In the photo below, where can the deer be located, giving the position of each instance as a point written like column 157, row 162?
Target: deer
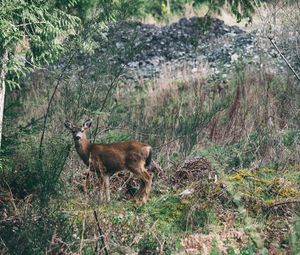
column 108, row 159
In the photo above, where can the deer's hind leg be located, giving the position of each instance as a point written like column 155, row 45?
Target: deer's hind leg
column 147, row 183
column 141, row 172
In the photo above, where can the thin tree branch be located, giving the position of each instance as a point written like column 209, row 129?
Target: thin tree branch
column 78, row 99
column 284, row 203
column 50, row 101
column 30, row 23
column 3, row 72
column 285, row 60
column 103, row 246
column 113, row 84
column 29, row 124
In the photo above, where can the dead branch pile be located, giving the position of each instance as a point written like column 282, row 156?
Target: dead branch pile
column 193, row 170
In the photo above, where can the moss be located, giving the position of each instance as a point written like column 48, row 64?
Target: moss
column 166, row 211
column 263, row 187
column 241, row 174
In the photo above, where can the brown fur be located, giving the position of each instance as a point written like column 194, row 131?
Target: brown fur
column 107, row 159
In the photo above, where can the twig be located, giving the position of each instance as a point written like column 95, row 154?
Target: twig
column 54, row 92
column 3, row 72
column 283, row 57
column 82, row 235
column 12, row 201
column 68, row 149
column 30, row 23
column 79, row 97
column 32, row 122
column 284, row 203
column 103, row 246
column 274, row 44
column 104, row 130
column 32, row 65
column 51, row 100
column 113, row 84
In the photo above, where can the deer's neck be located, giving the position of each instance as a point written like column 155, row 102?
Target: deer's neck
column 83, row 149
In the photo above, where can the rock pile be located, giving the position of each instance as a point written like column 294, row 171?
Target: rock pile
column 186, row 43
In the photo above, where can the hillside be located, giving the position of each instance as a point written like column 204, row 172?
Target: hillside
column 219, row 108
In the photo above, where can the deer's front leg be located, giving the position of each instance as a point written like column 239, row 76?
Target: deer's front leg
column 85, row 179
column 103, row 182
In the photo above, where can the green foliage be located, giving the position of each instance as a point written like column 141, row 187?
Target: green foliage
column 36, row 230
column 162, row 9
column 106, row 10
column 34, row 183
column 214, row 249
column 295, row 237
column 240, row 9
column 32, row 175
column 152, row 227
column 248, row 250
column 199, row 217
column 31, row 31
column 233, row 156
column 247, row 151
column 148, row 244
column 165, row 211
column 290, row 137
column 117, row 137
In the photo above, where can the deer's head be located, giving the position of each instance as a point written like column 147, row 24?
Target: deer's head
column 78, row 132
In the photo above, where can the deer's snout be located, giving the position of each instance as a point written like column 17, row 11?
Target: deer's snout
column 78, row 135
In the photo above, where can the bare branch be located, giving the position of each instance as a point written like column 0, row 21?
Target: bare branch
column 284, row 203
column 285, row 60
column 113, row 84
column 51, row 99
column 103, row 246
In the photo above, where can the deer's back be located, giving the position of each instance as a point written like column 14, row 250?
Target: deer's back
column 121, row 155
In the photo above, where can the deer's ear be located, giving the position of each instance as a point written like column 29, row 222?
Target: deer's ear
column 87, row 124
column 68, row 124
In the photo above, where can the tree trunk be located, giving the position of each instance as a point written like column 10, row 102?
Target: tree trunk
column 3, row 70
column 168, row 8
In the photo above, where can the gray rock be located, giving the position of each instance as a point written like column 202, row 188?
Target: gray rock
column 186, row 43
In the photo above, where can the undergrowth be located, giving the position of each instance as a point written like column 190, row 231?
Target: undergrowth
column 248, row 129
column 241, row 213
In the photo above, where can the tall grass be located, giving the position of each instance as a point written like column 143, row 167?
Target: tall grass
column 255, row 113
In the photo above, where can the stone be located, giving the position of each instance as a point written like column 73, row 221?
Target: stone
column 186, row 43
